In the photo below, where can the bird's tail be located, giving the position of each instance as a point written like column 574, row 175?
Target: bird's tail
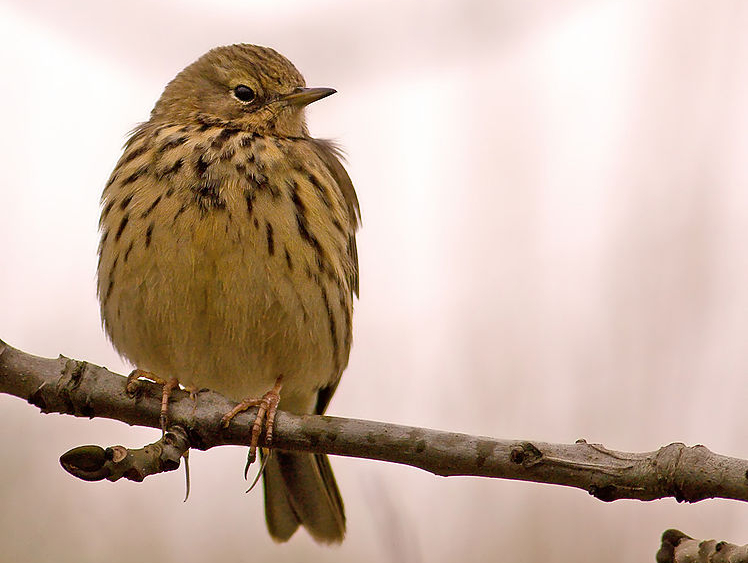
column 300, row 489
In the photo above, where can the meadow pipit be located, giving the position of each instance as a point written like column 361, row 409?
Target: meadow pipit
column 228, row 258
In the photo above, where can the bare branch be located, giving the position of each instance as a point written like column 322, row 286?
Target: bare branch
column 93, row 463
column 687, row 473
column 677, row 547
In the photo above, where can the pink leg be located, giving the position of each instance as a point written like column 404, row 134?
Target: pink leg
column 268, row 406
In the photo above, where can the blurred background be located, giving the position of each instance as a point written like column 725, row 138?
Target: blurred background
column 554, row 246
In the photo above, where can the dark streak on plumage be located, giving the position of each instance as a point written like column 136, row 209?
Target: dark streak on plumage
column 246, row 141
column 249, row 197
column 289, row 262
column 173, row 143
column 151, row 207
column 125, row 202
column 271, row 242
column 347, row 319
column 225, row 134
column 227, row 154
column 321, row 190
column 127, row 252
column 173, row 169
column 345, row 306
column 135, row 175
column 294, row 192
column 302, row 223
column 201, row 166
column 108, row 290
column 148, row 235
column 261, row 183
column 110, row 286
column 107, row 209
column 333, row 328
column 133, row 154
column 207, row 195
column 122, row 225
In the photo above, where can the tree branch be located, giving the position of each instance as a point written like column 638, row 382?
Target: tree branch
column 677, row 547
column 75, row 387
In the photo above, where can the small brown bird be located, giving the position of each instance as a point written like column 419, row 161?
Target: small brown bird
column 228, row 258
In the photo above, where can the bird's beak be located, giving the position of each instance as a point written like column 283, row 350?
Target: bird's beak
column 305, row 96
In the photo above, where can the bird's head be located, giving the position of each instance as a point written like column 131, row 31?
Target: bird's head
column 244, row 86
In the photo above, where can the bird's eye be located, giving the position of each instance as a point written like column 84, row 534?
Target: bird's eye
column 244, row 93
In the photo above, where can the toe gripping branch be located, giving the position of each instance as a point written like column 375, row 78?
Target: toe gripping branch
column 94, row 463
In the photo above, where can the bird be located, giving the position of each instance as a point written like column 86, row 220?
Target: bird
column 228, row 260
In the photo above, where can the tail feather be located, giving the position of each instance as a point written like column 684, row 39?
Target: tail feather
column 300, row 489
column 282, row 520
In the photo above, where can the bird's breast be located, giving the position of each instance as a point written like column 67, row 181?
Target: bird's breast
column 224, row 262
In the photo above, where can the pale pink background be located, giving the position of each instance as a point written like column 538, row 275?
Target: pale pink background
column 555, row 246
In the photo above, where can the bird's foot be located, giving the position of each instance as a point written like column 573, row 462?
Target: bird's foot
column 268, row 406
column 168, row 386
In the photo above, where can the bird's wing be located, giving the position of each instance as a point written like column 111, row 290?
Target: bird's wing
column 331, row 156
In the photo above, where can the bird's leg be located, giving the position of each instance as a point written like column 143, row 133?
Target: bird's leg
column 168, row 386
column 268, row 406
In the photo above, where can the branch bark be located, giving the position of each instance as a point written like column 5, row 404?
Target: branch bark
column 79, row 388
column 677, row 547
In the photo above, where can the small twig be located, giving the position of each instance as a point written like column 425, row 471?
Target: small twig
column 93, row 463
column 677, row 547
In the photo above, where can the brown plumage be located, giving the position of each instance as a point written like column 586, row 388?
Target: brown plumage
column 228, row 256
